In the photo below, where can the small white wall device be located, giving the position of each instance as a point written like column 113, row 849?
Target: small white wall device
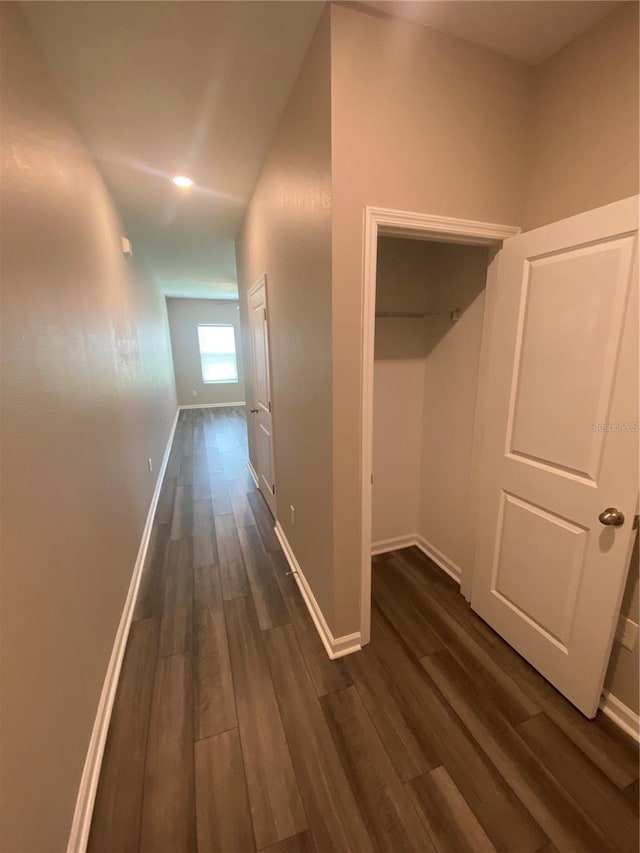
column 127, row 251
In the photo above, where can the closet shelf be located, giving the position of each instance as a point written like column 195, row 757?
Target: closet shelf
column 452, row 315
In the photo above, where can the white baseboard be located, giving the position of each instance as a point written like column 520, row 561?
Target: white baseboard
column 252, row 471
column 384, row 545
column 335, row 647
column 213, row 405
column 623, row 717
column 83, row 812
column 447, row 565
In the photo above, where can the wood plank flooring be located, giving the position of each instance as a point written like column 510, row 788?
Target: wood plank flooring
column 233, row 732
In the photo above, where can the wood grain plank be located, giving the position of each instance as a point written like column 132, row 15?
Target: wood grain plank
column 185, row 468
column 632, row 793
column 200, row 474
column 327, row 675
column 164, row 510
column 151, row 593
column 214, row 699
column 232, row 464
column 175, row 632
column 334, row 818
column 563, row 822
column 608, row 748
column 115, row 823
column 412, row 596
column 618, row 737
column 605, row 804
column 205, row 579
column 175, row 627
column 449, row 820
column 227, row 440
column 389, row 816
column 182, row 520
column 409, row 622
column 302, row 843
column 446, row 591
column 220, row 494
column 276, row 807
column 186, row 433
column 175, row 454
column 205, row 550
column 613, row 755
column 222, row 809
column 502, row 815
column 617, row 759
column 214, row 463
column 264, row 521
column 240, row 505
column 270, row 607
column 168, row 809
column 391, row 717
column 243, row 478
column 232, row 571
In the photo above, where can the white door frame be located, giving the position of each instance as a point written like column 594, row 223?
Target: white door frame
column 262, row 282
column 380, row 221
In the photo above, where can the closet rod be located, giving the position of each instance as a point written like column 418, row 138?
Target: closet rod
column 452, row 315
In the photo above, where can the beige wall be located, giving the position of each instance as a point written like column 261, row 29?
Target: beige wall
column 583, row 146
column 423, row 122
column 398, row 396
column 184, row 316
column 450, row 394
column 87, row 397
column 287, row 234
column 398, row 388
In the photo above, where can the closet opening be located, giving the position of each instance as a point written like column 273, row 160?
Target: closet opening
column 429, row 309
column 424, row 289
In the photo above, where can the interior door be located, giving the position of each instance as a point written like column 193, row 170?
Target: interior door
column 260, row 411
column 560, row 445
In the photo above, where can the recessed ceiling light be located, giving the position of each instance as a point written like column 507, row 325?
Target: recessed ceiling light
column 182, row 181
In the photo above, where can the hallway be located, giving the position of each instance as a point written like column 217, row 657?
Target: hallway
column 233, row 731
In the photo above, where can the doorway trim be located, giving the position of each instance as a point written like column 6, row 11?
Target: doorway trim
column 380, row 221
column 262, row 282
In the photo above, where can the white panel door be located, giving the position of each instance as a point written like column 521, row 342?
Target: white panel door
column 260, row 410
column 560, row 445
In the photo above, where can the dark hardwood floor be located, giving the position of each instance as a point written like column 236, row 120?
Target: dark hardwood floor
column 232, row 731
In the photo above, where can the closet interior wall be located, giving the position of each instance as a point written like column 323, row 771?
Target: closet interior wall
column 425, row 388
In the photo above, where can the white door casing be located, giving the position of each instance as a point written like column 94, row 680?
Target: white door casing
column 260, row 414
column 417, row 226
column 560, row 444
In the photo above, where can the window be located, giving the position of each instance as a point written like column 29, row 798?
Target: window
column 218, row 353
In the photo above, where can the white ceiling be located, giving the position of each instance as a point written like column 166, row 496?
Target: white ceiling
column 165, row 88
column 197, row 88
column 529, row 31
